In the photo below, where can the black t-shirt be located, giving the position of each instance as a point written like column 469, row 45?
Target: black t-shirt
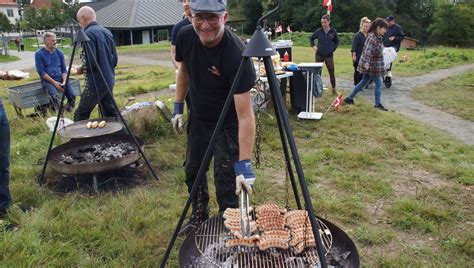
column 211, row 72
column 176, row 28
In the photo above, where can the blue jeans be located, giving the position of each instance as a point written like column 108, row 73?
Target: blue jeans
column 365, row 79
column 52, row 91
column 5, row 196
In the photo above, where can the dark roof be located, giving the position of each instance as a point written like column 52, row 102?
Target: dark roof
column 126, row 14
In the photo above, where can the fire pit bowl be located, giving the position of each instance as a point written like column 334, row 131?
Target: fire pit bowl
column 343, row 252
column 103, row 153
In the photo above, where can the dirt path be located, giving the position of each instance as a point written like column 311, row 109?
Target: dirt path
column 398, row 99
column 144, row 59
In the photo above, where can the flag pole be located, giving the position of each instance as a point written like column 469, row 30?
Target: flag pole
column 334, row 101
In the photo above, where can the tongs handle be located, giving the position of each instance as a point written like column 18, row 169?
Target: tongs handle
column 244, row 213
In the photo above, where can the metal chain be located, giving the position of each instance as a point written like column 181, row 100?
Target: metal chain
column 287, row 187
column 258, row 140
column 82, row 56
column 258, row 101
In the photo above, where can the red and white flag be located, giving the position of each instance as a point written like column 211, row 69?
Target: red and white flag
column 279, row 29
column 288, row 29
column 338, row 102
column 328, row 4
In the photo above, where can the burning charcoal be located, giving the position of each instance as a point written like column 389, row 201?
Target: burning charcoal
column 98, row 153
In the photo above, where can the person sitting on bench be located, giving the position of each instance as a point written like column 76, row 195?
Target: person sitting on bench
column 51, row 67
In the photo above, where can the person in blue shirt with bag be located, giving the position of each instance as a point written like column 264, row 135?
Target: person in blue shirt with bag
column 210, row 55
column 51, row 67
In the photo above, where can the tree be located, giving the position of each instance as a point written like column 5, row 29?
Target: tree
column 252, row 10
column 415, row 16
column 453, row 25
column 5, row 24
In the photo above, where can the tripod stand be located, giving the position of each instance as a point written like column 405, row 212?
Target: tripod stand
column 81, row 38
column 259, row 46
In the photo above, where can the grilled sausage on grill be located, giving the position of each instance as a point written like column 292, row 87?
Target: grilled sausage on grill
column 246, row 242
column 266, row 244
column 263, row 209
column 235, row 226
column 267, row 224
column 233, row 213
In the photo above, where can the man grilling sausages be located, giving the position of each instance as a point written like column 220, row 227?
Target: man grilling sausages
column 210, row 55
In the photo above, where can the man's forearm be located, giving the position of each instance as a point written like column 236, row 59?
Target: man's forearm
column 181, row 84
column 243, row 107
column 246, row 137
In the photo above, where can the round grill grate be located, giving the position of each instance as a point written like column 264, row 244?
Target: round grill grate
column 210, row 240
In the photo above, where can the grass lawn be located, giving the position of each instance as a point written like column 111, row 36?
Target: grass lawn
column 401, row 190
column 454, row 95
column 4, row 58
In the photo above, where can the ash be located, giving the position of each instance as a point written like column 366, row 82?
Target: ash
column 98, row 153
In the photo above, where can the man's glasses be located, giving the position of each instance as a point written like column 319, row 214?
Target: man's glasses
column 212, row 19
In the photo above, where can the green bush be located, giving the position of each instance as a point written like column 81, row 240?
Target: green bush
column 301, row 39
column 453, row 25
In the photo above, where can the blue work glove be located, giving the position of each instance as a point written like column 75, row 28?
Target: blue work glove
column 245, row 177
column 177, row 120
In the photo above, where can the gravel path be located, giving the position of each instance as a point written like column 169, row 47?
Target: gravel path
column 398, row 99
column 27, row 61
column 137, row 59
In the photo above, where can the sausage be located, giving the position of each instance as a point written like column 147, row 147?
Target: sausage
column 264, row 245
column 245, row 242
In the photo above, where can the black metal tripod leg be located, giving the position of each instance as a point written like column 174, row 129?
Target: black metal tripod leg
column 60, row 111
column 278, row 115
column 117, row 110
column 206, row 159
column 286, row 124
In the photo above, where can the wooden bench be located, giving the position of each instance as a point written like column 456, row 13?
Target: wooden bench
column 33, row 95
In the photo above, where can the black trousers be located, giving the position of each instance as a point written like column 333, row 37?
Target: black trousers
column 329, row 61
column 225, row 153
column 89, row 100
column 357, row 75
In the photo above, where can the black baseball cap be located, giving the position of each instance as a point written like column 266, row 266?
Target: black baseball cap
column 208, row 6
column 390, row 18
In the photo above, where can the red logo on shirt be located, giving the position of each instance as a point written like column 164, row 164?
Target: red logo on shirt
column 214, row 70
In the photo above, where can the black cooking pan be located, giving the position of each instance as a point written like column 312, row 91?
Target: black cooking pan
column 93, row 168
column 79, row 129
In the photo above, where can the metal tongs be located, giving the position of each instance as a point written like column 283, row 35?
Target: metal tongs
column 244, row 206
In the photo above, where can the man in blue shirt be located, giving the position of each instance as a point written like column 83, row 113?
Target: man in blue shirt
column 51, row 67
column 327, row 44
column 102, row 49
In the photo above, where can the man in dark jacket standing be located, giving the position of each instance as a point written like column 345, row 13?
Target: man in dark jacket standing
column 327, row 44
column 102, row 48
column 392, row 38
